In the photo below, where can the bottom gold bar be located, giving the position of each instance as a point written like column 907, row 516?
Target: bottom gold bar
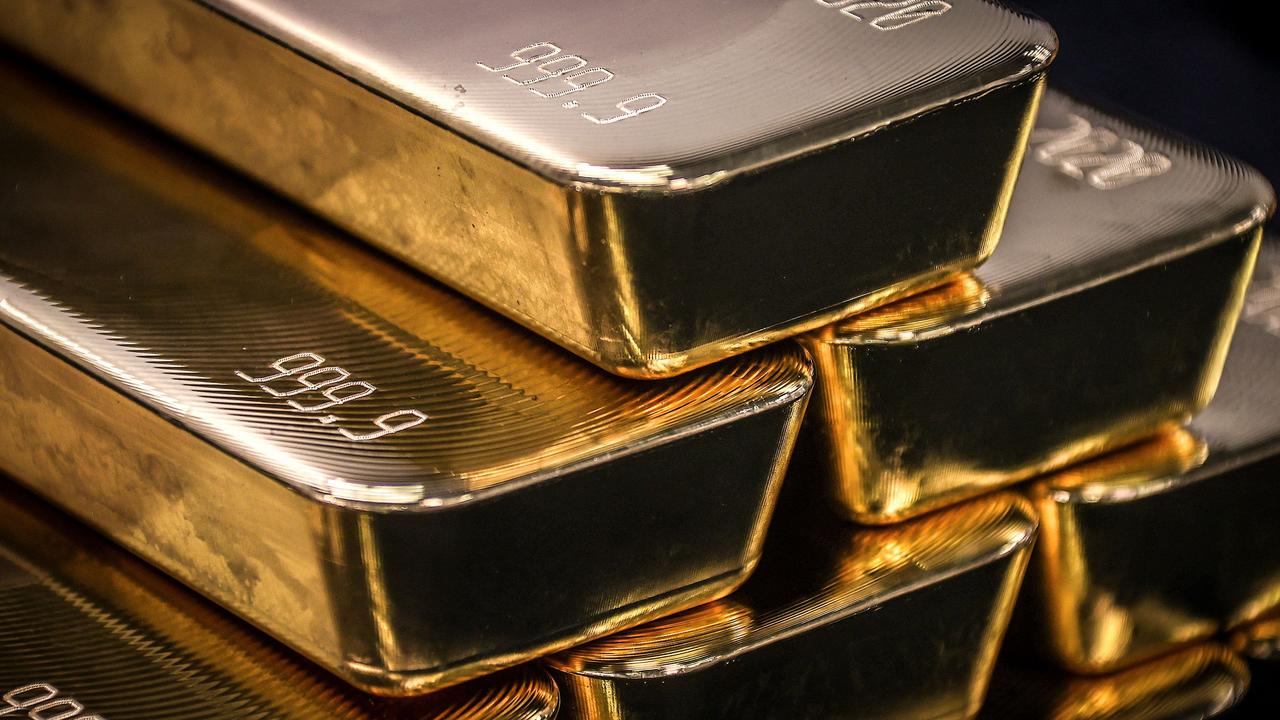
column 91, row 633
column 1198, row 682
column 1174, row 540
column 837, row 622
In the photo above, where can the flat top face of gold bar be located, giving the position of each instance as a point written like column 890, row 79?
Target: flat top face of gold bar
column 319, row 363
column 666, row 95
column 866, row 566
column 83, row 623
column 1098, row 197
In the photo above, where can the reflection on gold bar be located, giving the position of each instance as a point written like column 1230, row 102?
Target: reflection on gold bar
column 85, row 627
column 646, row 184
column 1200, row 682
column 1260, row 643
column 1259, row 640
column 838, row 622
column 373, row 470
column 1174, row 539
column 1105, row 313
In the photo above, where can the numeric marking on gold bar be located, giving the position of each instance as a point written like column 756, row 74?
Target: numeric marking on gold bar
column 41, row 701
column 888, row 15
column 306, row 372
column 1096, row 155
column 1262, row 307
column 543, row 69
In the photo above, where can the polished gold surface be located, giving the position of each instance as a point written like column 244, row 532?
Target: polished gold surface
column 82, row 623
column 735, row 206
column 1200, row 682
column 1104, row 314
column 332, row 446
column 838, row 622
column 1175, row 539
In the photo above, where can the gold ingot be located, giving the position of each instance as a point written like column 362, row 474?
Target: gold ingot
column 646, row 184
column 1175, row 539
column 1104, row 314
column 838, row 622
column 383, row 475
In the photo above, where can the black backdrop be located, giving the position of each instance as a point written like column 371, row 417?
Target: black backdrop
column 1208, row 69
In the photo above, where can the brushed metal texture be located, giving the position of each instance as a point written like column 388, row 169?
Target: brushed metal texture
column 397, row 483
column 779, row 185
column 838, row 622
column 1175, row 539
column 1104, row 314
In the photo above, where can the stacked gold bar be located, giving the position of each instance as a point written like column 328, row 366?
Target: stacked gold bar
column 411, row 492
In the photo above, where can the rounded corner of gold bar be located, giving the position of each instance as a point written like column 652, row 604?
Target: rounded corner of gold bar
column 919, row 315
column 1128, row 473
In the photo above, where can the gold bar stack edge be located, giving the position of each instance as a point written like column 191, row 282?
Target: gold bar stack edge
column 1117, row 236
column 697, row 226
column 331, row 446
column 1104, row 314
column 1174, row 540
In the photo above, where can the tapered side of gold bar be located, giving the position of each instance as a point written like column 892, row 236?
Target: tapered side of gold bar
column 1198, row 682
column 1142, row 551
column 914, row 412
column 898, row 622
column 86, row 623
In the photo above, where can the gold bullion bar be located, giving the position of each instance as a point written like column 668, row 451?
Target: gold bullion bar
column 1105, row 313
column 1203, row 681
column 654, row 186
column 838, row 622
column 1174, row 539
column 401, row 486
column 88, row 632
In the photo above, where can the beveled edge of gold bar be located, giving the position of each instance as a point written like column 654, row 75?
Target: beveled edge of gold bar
column 882, row 564
column 155, row 615
column 1022, row 47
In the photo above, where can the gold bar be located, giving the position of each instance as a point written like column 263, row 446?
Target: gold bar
column 1104, row 314
column 1175, row 539
column 838, row 621
column 370, row 468
column 89, row 632
column 1204, row 681
column 654, row 186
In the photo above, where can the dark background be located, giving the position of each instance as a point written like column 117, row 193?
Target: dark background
column 1209, row 70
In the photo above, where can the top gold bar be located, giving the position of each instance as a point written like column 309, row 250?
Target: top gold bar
column 654, row 186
